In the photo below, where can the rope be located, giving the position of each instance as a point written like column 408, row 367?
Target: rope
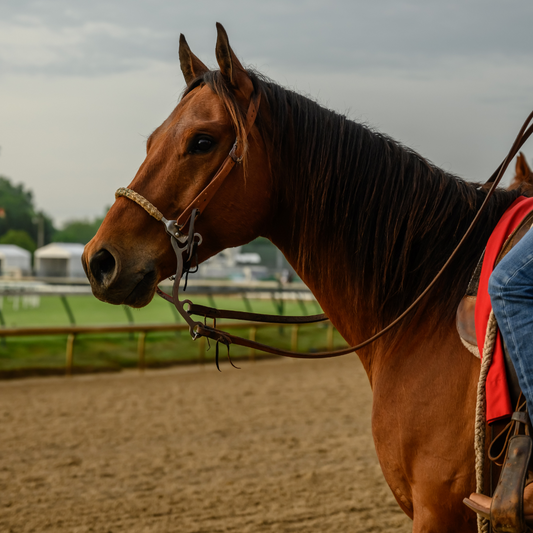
column 479, row 441
column 140, row 200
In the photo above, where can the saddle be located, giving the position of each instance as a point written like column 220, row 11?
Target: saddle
column 465, row 318
column 513, row 443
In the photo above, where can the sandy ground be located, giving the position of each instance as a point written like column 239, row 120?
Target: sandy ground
column 279, row 446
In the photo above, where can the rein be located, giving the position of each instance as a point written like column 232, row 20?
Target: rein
column 186, row 245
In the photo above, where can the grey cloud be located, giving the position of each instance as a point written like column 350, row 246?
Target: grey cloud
column 303, row 34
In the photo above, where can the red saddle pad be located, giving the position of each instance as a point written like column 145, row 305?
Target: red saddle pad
column 498, row 400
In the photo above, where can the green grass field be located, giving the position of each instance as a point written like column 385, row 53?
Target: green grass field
column 46, row 354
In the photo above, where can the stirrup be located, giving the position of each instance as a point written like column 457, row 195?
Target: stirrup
column 480, row 504
column 505, row 509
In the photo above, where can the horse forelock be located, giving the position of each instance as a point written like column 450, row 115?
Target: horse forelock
column 216, row 82
column 358, row 197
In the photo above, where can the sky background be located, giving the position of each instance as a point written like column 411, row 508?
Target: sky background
column 83, row 84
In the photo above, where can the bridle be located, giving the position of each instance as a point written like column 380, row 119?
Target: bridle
column 185, row 245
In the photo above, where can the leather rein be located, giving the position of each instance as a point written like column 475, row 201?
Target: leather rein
column 185, row 245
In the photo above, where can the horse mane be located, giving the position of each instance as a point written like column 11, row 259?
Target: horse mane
column 361, row 198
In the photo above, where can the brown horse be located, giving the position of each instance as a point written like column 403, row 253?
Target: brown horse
column 523, row 177
column 364, row 221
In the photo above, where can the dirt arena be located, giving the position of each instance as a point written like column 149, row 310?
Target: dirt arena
column 279, row 446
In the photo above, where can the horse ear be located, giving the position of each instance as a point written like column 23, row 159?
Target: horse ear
column 522, row 168
column 230, row 66
column 190, row 65
column 527, row 169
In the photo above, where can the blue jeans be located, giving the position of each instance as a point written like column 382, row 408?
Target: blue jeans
column 511, row 295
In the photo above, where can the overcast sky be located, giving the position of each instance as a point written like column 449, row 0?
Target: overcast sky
column 82, row 84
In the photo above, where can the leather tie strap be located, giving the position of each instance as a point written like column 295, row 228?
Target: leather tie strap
column 210, row 312
column 216, row 314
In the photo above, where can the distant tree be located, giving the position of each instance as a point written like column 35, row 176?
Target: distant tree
column 81, row 231
column 20, row 238
column 17, row 212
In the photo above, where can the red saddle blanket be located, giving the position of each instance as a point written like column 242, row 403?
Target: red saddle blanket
column 497, row 391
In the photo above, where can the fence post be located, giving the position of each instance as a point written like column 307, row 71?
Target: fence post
column 70, row 353
column 294, row 338
column 301, row 303
column 141, row 350
column 251, row 353
column 129, row 314
column 247, row 304
column 68, row 309
column 211, row 300
column 2, row 321
column 330, row 336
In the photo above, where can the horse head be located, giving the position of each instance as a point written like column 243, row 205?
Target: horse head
column 131, row 253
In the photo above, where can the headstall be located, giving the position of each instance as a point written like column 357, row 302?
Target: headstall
column 185, row 245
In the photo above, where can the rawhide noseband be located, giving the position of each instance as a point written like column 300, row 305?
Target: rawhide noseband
column 185, row 245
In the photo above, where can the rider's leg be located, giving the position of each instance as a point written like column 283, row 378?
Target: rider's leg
column 511, row 295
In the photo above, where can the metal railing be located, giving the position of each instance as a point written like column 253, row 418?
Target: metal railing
column 143, row 329
column 278, row 293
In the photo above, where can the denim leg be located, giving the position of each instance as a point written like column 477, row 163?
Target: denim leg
column 511, row 295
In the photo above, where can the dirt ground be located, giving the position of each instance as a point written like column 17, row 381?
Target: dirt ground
column 279, row 446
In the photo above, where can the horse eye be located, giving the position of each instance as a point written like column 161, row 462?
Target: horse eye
column 201, row 145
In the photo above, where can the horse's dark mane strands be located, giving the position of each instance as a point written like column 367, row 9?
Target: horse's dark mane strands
column 384, row 202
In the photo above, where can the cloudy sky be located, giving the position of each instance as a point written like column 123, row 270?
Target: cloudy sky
column 82, row 84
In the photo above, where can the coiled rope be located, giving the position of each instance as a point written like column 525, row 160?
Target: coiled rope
column 479, row 441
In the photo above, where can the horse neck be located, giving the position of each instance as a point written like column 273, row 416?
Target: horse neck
column 402, row 226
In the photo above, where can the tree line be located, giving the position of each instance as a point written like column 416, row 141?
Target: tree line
column 22, row 224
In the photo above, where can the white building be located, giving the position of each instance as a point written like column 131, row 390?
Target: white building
column 231, row 264
column 59, row 260
column 14, row 261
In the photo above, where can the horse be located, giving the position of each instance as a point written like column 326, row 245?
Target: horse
column 365, row 222
column 523, row 177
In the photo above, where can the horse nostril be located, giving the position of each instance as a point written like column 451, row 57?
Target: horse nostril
column 103, row 266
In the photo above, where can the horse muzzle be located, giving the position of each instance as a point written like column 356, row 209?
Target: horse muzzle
column 117, row 283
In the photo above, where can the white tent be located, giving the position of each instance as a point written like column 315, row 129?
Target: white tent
column 59, row 260
column 14, row 261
